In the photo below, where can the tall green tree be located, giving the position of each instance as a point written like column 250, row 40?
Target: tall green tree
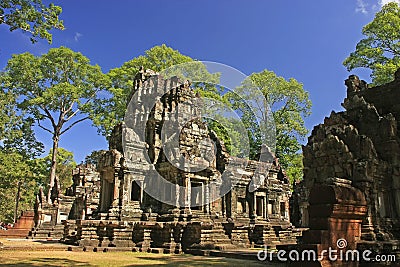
column 287, row 103
column 18, row 147
column 379, row 51
column 17, row 186
column 57, row 88
column 31, row 16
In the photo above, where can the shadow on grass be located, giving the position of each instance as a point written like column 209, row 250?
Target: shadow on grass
column 123, row 259
column 51, row 262
column 43, row 241
column 194, row 261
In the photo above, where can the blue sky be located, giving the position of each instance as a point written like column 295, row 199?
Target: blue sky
column 306, row 40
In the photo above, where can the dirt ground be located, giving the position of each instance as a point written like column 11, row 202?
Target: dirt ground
column 36, row 253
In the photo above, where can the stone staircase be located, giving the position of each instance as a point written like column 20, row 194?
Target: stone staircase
column 206, row 236
column 238, row 234
column 264, row 235
column 272, row 235
column 217, row 237
column 47, row 231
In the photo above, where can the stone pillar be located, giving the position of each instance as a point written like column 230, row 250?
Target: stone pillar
column 228, row 204
column 265, row 208
column 276, row 207
column 336, row 212
column 188, row 194
column 102, row 195
column 233, row 203
column 141, row 192
column 207, row 198
column 146, row 240
column 115, row 199
column 266, row 205
column 202, row 196
column 287, row 217
column 177, row 195
column 252, row 205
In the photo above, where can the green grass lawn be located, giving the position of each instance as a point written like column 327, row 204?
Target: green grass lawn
column 68, row 258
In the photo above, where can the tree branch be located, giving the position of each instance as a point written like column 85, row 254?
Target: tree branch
column 50, row 117
column 389, row 47
column 75, row 122
column 44, row 128
column 73, row 114
column 70, row 108
column 76, row 111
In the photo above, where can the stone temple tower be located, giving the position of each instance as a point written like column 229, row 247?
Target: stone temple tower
column 167, row 181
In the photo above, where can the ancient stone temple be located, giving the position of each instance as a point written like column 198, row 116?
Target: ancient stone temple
column 351, row 180
column 151, row 200
column 80, row 201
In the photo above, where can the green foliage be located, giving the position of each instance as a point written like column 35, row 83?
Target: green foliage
column 31, row 16
column 379, row 51
column 289, row 104
column 60, row 81
column 8, row 117
column 93, row 157
column 294, row 166
column 226, row 130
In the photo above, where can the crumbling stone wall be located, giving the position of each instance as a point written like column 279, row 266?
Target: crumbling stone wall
column 359, row 150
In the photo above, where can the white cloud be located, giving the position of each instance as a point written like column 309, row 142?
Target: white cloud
column 362, row 6
column 384, row 2
column 77, row 36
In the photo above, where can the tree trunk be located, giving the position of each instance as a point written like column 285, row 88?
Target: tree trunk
column 17, row 197
column 53, row 166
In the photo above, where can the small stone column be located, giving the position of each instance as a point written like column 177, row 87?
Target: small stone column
column 115, row 201
column 188, row 195
column 177, row 195
column 207, row 198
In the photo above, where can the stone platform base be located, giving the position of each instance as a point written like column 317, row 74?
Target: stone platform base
column 21, row 228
